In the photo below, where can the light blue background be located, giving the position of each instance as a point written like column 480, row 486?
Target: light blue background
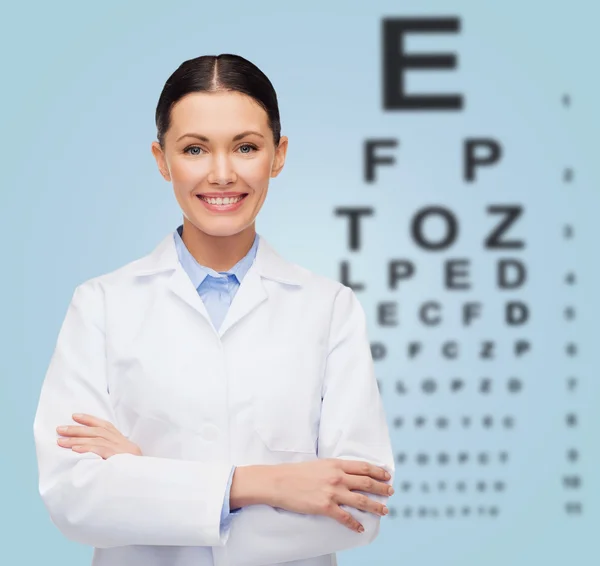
column 81, row 196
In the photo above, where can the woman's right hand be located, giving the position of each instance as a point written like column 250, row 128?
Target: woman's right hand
column 319, row 487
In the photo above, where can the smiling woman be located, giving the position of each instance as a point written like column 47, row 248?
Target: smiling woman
column 226, row 402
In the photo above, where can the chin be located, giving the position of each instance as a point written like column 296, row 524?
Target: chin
column 220, row 228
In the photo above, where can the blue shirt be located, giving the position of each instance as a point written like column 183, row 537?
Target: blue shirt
column 216, row 289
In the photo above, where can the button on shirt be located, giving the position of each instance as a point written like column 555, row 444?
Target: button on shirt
column 216, row 289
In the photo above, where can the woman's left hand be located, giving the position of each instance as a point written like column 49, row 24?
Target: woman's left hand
column 97, row 436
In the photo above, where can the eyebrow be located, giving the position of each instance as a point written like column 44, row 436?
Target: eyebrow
column 235, row 138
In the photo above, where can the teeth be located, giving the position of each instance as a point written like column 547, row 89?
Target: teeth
column 221, row 201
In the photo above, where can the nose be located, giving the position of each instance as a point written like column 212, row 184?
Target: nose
column 221, row 172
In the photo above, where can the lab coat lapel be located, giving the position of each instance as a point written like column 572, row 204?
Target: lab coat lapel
column 180, row 284
column 163, row 260
column 250, row 294
column 252, row 291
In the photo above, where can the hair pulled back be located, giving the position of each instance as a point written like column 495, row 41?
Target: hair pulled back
column 212, row 73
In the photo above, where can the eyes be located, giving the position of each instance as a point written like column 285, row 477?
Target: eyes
column 249, row 146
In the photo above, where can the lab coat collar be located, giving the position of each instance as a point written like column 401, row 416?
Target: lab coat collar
column 268, row 263
column 251, row 293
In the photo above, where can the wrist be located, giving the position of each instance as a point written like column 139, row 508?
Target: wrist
column 254, row 485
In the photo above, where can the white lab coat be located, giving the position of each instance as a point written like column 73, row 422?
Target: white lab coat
column 287, row 378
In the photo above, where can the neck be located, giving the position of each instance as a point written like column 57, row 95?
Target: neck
column 217, row 252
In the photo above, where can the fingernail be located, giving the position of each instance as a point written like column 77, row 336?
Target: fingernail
column 391, row 491
column 77, row 415
column 385, row 511
column 361, row 529
column 61, row 429
column 387, row 476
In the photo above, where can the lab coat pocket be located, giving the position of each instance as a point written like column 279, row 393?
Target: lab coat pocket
column 283, row 426
column 286, row 403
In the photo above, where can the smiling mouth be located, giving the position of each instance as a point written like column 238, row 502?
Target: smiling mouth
column 223, row 201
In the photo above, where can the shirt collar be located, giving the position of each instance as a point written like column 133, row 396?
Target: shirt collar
column 268, row 263
column 197, row 272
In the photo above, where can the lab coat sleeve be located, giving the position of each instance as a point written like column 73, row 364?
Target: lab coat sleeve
column 125, row 499
column 353, row 426
column 227, row 513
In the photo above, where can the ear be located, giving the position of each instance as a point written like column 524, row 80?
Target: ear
column 161, row 161
column 280, row 154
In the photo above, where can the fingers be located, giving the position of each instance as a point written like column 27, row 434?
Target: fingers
column 93, row 426
column 363, row 503
column 364, row 469
column 97, row 435
column 97, row 445
column 90, row 420
column 365, row 483
column 70, row 442
column 364, row 477
column 346, row 519
column 83, row 431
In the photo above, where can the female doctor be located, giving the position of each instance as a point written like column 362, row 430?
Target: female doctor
column 212, row 403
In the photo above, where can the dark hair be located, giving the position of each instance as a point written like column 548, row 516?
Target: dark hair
column 212, row 73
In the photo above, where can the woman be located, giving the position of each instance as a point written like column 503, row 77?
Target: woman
column 225, row 402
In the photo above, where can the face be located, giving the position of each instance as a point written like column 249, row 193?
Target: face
column 219, row 146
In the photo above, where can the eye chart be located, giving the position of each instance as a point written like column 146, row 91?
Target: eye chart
column 471, row 248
